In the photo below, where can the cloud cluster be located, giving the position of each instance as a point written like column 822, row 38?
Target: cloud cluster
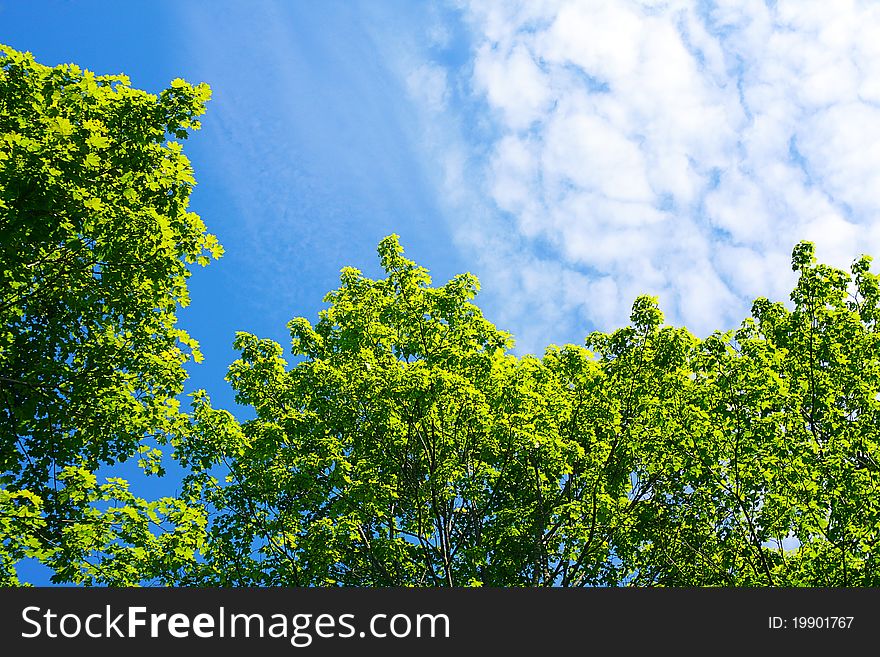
column 674, row 148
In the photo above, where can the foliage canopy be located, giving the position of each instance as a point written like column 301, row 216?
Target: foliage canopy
column 409, row 446
column 95, row 237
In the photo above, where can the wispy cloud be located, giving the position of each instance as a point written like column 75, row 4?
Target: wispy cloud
column 309, row 142
column 674, row 148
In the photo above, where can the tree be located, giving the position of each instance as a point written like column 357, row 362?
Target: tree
column 95, row 243
column 409, row 446
column 756, row 450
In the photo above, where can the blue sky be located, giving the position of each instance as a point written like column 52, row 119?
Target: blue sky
column 309, row 153
column 570, row 154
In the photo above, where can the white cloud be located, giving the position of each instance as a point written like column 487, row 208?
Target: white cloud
column 587, row 152
column 675, row 148
column 427, row 83
column 842, row 146
column 514, row 84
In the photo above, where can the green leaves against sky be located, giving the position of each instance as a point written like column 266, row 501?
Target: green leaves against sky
column 95, row 238
column 405, row 443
